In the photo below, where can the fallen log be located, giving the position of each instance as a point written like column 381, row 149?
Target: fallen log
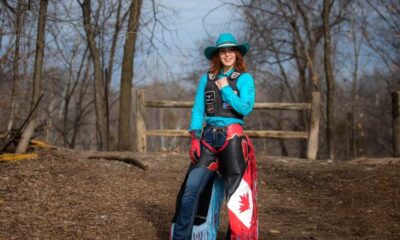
column 12, row 157
column 26, row 136
column 129, row 160
column 42, row 144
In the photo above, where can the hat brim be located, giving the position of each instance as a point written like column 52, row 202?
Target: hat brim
column 210, row 51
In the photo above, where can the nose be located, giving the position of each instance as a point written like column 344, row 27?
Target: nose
column 225, row 51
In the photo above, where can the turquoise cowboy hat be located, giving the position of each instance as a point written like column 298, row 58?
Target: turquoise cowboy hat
column 225, row 40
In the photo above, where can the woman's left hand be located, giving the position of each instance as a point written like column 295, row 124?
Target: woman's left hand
column 221, row 83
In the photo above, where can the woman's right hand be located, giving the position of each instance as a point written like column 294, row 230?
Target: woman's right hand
column 194, row 151
column 222, row 83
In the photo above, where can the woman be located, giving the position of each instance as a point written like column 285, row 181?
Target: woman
column 225, row 95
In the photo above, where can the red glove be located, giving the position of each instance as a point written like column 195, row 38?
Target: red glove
column 194, row 151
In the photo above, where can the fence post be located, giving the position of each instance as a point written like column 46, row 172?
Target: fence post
column 396, row 123
column 141, row 144
column 312, row 148
column 133, row 118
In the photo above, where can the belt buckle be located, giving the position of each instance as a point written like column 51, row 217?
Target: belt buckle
column 220, row 129
column 217, row 128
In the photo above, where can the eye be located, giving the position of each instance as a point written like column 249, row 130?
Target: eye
column 226, row 50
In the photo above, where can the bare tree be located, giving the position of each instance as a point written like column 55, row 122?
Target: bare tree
column 356, row 27
column 109, row 70
column 286, row 39
column 40, row 45
column 382, row 35
column 285, row 33
column 37, row 75
column 330, row 105
column 124, row 127
column 100, row 104
column 19, row 13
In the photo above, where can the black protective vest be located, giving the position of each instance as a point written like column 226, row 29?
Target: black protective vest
column 213, row 100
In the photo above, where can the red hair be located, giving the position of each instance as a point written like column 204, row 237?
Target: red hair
column 216, row 64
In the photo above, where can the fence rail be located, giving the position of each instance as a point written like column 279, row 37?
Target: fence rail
column 253, row 134
column 257, row 106
column 311, row 135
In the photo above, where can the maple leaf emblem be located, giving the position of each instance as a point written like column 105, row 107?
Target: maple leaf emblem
column 244, row 202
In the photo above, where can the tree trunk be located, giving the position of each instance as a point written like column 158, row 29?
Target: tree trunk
column 117, row 29
column 350, row 136
column 330, row 108
column 124, row 127
column 354, row 98
column 109, row 69
column 18, row 29
column 98, row 78
column 302, row 93
column 37, row 75
column 26, row 136
column 40, row 43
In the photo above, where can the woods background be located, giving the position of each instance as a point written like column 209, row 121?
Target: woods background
column 85, row 57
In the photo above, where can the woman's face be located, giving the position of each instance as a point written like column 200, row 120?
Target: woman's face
column 227, row 57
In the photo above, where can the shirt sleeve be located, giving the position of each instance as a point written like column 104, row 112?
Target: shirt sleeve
column 244, row 103
column 198, row 112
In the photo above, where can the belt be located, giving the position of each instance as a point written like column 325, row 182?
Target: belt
column 236, row 128
column 217, row 128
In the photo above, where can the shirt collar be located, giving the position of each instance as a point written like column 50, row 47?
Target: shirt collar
column 227, row 74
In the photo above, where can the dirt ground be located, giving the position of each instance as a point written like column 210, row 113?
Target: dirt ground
column 64, row 195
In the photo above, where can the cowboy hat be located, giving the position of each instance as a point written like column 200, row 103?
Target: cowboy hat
column 225, row 40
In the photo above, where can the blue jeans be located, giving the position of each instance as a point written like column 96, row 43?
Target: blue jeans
column 196, row 181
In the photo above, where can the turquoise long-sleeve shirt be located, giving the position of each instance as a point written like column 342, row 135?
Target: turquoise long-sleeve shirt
column 242, row 104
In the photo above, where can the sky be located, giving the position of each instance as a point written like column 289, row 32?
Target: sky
column 197, row 19
column 191, row 23
column 202, row 18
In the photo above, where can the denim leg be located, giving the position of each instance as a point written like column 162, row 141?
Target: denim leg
column 195, row 183
column 220, row 138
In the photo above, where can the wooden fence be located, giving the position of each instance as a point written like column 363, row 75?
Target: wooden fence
column 311, row 135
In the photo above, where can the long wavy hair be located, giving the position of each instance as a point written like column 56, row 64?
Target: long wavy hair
column 216, row 64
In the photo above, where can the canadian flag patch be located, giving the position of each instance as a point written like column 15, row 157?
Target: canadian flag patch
column 241, row 204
